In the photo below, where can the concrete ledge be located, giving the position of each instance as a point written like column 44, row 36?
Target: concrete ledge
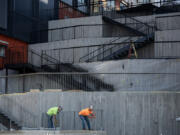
column 53, row 132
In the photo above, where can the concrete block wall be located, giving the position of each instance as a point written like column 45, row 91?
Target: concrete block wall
column 124, row 113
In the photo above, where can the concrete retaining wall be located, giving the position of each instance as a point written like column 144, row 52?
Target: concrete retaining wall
column 75, row 32
column 168, row 26
column 125, row 113
column 168, row 21
column 124, row 75
column 3, row 81
column 86, row 27
column 168, row 49
column 141, row 74
column 72, row 55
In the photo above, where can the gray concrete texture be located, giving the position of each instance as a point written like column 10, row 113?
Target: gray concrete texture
column 163, row 22
column 3, row 80
column 18, row 84
column 48, row 132
column 168, row 26
column 75, row 32
column 86, row 27
column 124, row 113
column 169, row 49
column 70, row 55
column 168, row 21
column 138, row 74
column 124, row 75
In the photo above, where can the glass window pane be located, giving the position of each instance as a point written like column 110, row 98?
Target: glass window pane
column 2, row 52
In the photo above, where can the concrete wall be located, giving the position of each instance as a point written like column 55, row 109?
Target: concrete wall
column 86, row 27
column 124, row 113
column 76, row 28
column 3, row 81
column 169, row 49
column 123, row 75
column 150, row 19
column 168, row 21
column 168, row 30
column 71, row 55
column 111, row 30
column 140, row 74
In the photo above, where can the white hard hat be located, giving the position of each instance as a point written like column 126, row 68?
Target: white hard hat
column 91, row 106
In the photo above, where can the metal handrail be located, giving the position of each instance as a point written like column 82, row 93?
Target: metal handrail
column 106, row 49
column 49, row 59
column 148, row 27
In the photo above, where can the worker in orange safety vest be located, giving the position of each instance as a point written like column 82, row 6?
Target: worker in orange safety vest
column 85, row 114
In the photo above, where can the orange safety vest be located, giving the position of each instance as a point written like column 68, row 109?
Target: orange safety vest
column 85, row 112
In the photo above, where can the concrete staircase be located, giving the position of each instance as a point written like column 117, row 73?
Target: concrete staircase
column 84, row 81
column 120, row 51
column 8, row 123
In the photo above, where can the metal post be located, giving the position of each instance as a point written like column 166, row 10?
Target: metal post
column 74, row 120
column 102, row 127
column 73, row 55
column 103, row 52
column 10, row 125
column 6, row 85
column 23, row 80
column 41, row 58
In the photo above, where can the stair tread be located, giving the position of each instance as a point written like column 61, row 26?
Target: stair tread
column 5, row 120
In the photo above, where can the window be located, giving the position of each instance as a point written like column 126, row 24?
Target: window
column 2, row 51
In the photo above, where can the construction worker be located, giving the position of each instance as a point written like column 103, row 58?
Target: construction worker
column 51, row 113
column 85, row 114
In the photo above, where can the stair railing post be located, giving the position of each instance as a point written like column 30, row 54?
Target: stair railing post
column 73, row 55
column 10, row 124
column 125, row 19
column 6, row 85
column 103, row 52
column 41, row 58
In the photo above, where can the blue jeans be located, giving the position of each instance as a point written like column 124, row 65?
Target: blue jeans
column 50, row 122
column 83, row 119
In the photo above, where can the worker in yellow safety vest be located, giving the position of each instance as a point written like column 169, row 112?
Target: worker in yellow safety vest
column 85, row 114
column 51, row 113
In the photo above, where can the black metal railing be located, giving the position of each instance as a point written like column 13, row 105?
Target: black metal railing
column 152, row 50
column 83, row 81
column 128, row 22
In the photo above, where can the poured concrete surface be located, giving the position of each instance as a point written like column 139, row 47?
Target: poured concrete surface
column 53, row 132
column 124, row 113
